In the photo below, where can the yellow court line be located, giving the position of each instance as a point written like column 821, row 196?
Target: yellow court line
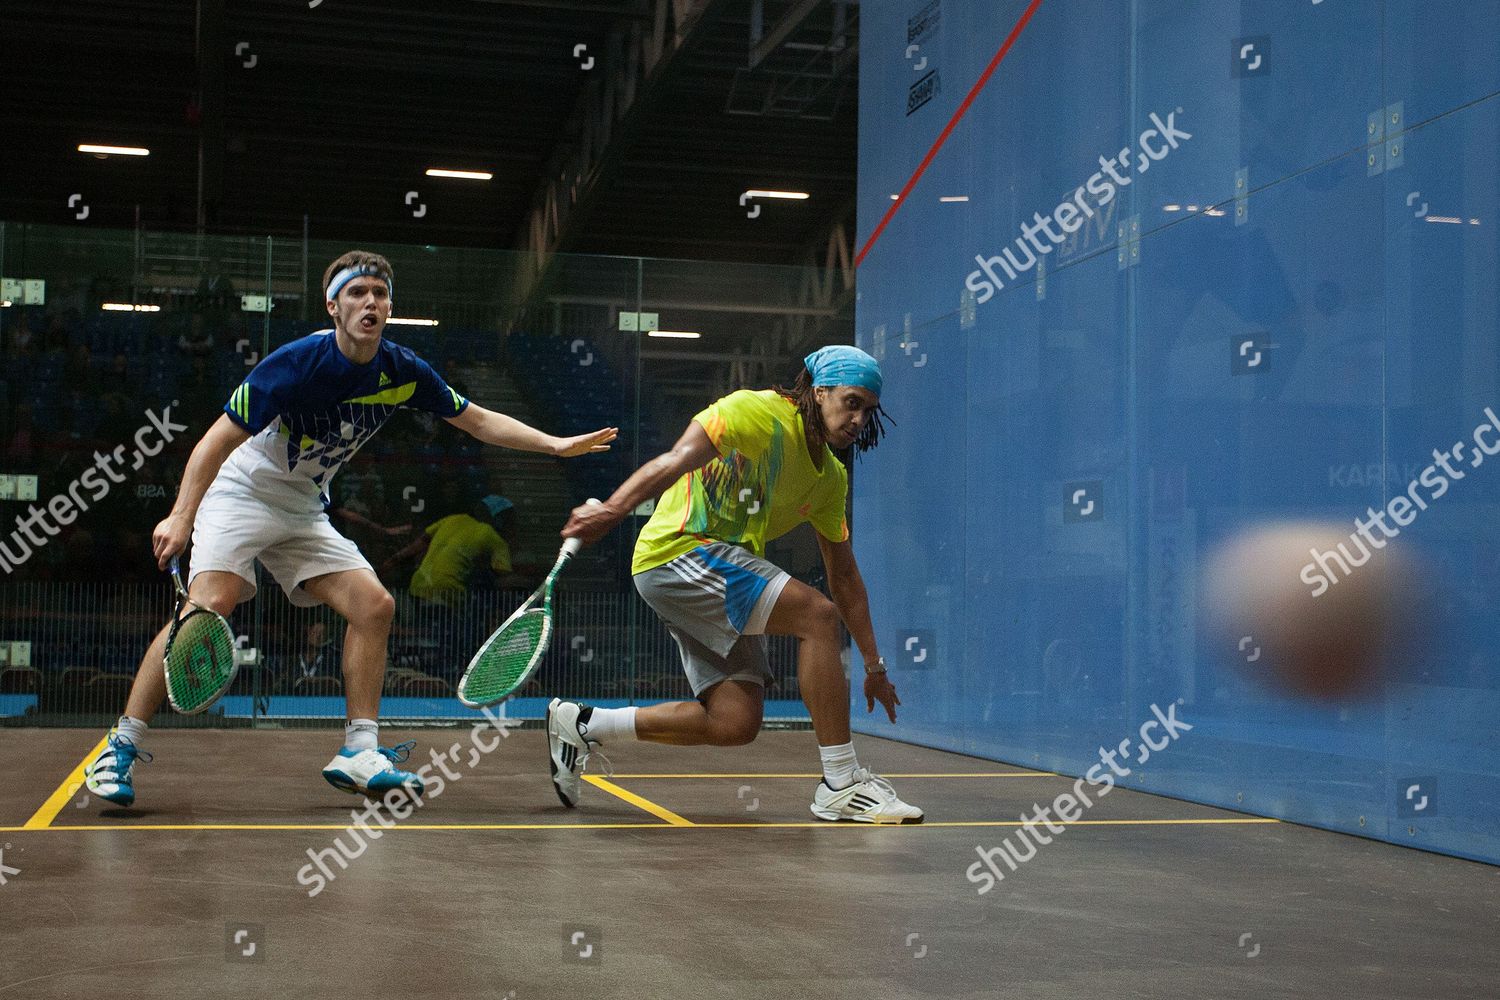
column 659, row 812
column 684, row 824
column 43, row 817
column 954, row 774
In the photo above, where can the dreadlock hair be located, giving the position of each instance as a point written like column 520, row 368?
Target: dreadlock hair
column 802, row 396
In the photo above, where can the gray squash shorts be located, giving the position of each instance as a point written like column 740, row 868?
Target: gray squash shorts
column 715, row 601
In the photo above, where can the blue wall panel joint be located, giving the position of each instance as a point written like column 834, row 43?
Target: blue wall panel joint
column 1242, row 196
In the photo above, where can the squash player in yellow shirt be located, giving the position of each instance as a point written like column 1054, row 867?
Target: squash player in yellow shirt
column 748, row 469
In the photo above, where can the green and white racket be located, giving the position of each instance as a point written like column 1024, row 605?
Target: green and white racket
column 513, row 651
column 199, row 657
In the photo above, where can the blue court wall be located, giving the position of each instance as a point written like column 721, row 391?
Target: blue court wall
column 1281, row 316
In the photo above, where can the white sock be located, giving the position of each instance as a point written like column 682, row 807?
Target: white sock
column 838, row 765
column 132, row 729
column 600, row 724
column 362, row 734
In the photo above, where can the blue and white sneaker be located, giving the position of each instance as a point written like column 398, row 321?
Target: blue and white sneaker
column 108, row 775
column 369, row 772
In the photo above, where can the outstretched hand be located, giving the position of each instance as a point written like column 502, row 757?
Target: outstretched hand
column 585, row 444
column 878, row 687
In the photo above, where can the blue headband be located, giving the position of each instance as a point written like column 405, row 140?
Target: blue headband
column 348, row 274
column 840, row 365
column 497, row 505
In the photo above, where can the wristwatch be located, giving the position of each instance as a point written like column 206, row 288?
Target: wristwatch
column 878, row 667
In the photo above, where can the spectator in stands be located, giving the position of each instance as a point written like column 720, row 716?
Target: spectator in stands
column 459, row 548
column 196, row 339
column 318, row 657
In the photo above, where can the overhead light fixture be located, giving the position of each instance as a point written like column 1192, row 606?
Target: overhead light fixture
column 1473, row 222
column 464, row 175
column 1215, row 212
column 1192, row 208
column 895, row 197
column 954, row 197
column 1171, row 208
column 129, row 307
column 85, row 147
column 789, row 195
column 5, row 303
column 1452, row 221
column 411, row 322
column 675, row 334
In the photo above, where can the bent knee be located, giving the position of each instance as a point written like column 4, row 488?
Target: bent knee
column 823, row 618
column 376, row 609
column 737, row 732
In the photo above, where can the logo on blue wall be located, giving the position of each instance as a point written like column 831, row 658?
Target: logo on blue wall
column 1249, row 356
column 1416, row 797
column 1251, row 56
column 916, row 649
column 1083, row 501
column 923, row 91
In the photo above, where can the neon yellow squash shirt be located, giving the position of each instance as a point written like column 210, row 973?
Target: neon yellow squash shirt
column 762, row 485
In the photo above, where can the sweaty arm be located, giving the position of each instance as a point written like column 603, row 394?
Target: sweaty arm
column 692, row 451
column 508, row 432
column 171, row 535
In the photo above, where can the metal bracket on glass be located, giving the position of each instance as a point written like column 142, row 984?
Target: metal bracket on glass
column 1242, row 196
column 1129, row 234
column 1385, row 132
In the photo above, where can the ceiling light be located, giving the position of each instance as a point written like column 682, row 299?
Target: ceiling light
column 675, row 334
column 791, row 195
column 466, row 175
column 1171, row 208
column 954, row 197
column 1444, row 218
column 85, row 147
column 412, row 322
column 130, row 307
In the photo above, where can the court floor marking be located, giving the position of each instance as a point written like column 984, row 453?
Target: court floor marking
column 63, row 794
column 684, row 825
column 660, row 812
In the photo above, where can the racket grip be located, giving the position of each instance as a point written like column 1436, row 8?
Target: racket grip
column 571, row 546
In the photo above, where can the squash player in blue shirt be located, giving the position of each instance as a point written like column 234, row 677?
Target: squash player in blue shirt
column 256, row 487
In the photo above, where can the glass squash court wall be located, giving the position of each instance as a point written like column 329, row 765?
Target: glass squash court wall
column 108, row 331
column 1282, row 308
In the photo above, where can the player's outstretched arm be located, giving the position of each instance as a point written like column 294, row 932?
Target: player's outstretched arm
column 508, row 432
column 172, row 534
column 593, row 521
column 847, row 588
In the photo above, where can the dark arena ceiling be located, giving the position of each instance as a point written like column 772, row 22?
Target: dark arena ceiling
column 260, row 116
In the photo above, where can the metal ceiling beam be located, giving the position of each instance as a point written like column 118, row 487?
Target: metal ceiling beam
column 762, row 48
column 638, row 57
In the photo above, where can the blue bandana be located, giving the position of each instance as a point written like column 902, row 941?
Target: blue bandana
column 348, row 274
column 839, row 365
